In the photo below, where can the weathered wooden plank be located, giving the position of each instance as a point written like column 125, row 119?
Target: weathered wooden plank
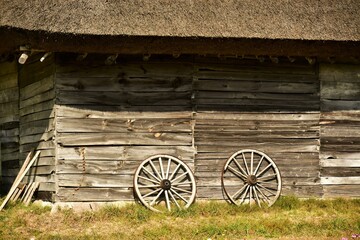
column 93, row 194
column 9, row 132
column 39, row 98
column 9, row 109
column 91, row 180
column 339, row 72
column 34, row 71
column 43, row 115
column 248, row 96
column 8, row 81
column 340, row 90
column 258, row 116
column 335, row 116
column 340, row 171
column 47, row 187
column 331, row 191
column 288, row 157
column 340, row 180
column 339, row 155
column 48, row 145
column 345, row 131
column 36, row 127
column 251, row 86
column 264, row 147
column 123, row 153
column 121, row 125
column 9, row 156
column 312, row 144
column 125, row 84
column 86, row 139
column 39, row 107
column 37, row 88
column 9, row 95
column 253, row 67
column 339, row 105
column 355, row 163
column 127, row 98
column 12, row 118
column 7, row 139
column 46, row 136
column 98, row 111
column 241, row 135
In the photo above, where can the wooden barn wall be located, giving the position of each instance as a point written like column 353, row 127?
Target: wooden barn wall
column 266, row 106
column 9, row 123
column 340, row 130
column 37, row 96
column 109, row 118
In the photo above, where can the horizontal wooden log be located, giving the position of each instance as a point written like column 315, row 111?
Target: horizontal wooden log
column 120, row 125
column 340, row 171
column 345, row 131
column 43, row 115
column 37, row 138
column 12, row 118
column 335, row 116
column 355, row 163
column 236, row 75
column 37, row 88
column 86, row 139
column 244, row 96
column 339, row 105
column 42, row 97
column 98, row 111
column 91, row 180
column 125, row 84
column 126, row 98
column 40, row 107
column 93, row 194
column 232, row 65
column 258, row 116
column 9, row 95
column 9, row 109
column 251, row 86
column 123, row 153
column 338, row 72
column 328, row 155
column 264, row 147
column 254, row 134
column 340, row 180
column 331, row 191
column 121, row 167
column 340, row 90
column 36, row 127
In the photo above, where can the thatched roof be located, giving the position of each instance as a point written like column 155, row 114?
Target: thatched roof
column 334, row 20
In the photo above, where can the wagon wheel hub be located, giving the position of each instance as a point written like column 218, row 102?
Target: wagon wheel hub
column 251, row 180
column 165, row 184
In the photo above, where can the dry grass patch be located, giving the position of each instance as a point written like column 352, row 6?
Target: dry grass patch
column 289, row 218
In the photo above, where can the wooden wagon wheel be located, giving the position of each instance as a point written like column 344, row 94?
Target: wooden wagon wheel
column 164, row 182
column 250, row 176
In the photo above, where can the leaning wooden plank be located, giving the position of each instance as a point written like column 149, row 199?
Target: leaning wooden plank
column 21, row 189
column 14, row 194
column 18, row 180
column 26, row 162
column 28, row 186
column 35, row 185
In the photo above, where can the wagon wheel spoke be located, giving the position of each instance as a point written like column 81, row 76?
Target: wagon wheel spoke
column 163, row 183
column 254, row 180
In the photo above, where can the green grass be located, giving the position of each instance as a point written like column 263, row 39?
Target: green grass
column 289, row 218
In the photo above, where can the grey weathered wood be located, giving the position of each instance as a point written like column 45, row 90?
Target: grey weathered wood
column 340, row 163
column 93, row 194
column 331, row 191
column 123, row 153
column 37, row 88
column 120, row 125
column 340, row 180
column 86, row 139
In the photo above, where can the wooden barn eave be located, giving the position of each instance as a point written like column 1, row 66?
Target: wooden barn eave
column 11, row 39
